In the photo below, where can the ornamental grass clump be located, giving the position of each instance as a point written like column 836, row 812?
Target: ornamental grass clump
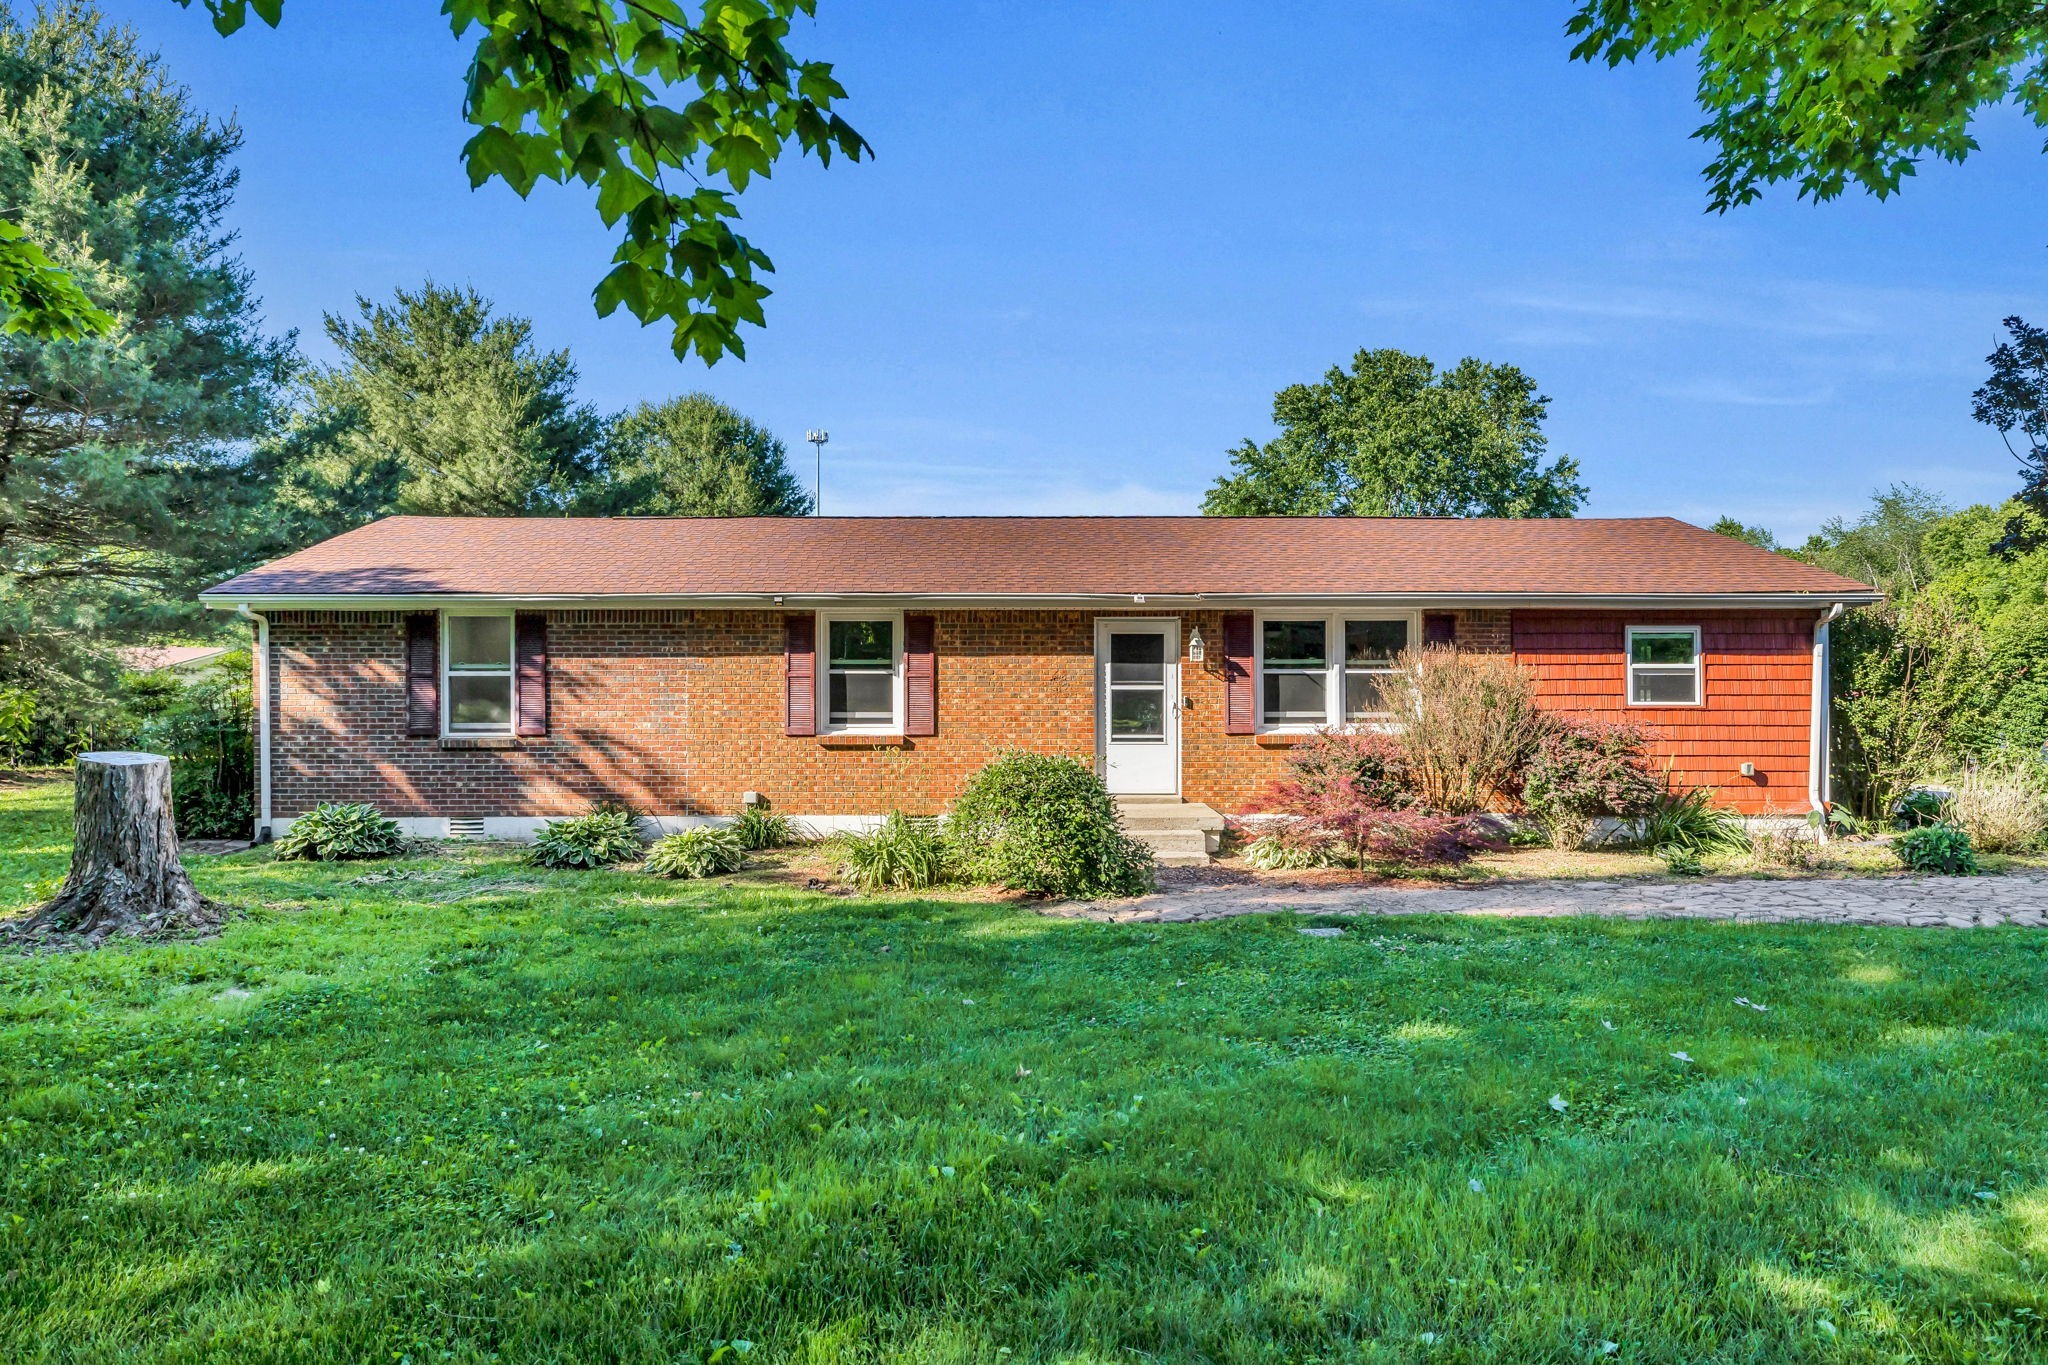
column 2001, row 803
column 607, row 834
column 758, row 827
column 709, row 851
column 1037, row 822
column 1690, row 820
column 900, row 854
column 336, row 832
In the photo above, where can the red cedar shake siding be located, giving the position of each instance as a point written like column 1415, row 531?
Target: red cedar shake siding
column 1757, row 674
column 679, row 711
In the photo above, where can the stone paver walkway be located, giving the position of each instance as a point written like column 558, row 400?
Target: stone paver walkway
column 1938, row 902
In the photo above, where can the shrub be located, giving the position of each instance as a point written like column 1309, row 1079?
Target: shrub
column 1272, row 853
column 758, row 827
column 1366, row 832
column 1943, row 849
column 1782, row 848
column 335, row 833
column 1580, row 770
column 607, row 834
column 901, row 854
column 1921, row 806
column 2002, row 804
column 1371, row 762
column 1680, row 861
column 1041, row 823
column 1469, row 725
column 1690, row 820
column 706, row 852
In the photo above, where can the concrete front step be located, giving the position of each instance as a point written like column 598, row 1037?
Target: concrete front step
column 1179, row 833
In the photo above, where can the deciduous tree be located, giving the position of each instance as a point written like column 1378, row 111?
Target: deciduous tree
column 668, row 110
column 1393, row 436
column 1831, row 93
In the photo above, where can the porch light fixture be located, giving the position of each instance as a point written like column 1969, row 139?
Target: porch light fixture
column 1196, row 645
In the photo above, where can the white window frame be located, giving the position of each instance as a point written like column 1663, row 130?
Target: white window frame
column 1696, row 669
column 449, row 730
column 1333, row 665
column 823, row 639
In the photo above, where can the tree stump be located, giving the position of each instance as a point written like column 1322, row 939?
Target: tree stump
column 125, row 874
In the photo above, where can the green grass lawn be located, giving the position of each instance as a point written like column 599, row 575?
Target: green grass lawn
column 454, row 1108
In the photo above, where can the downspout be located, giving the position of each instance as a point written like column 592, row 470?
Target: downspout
column 1820, row 755
column 262, row 719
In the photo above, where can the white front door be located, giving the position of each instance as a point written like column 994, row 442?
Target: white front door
column 1137, row 705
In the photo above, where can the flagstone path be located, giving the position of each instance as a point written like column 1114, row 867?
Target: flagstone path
column 2019, row 898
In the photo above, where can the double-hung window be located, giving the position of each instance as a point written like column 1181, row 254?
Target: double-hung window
column 1664, row 665
column 476, row 685
column 1327, row 670
column 863, row 666
column 1372, row 653
column 1295, row 664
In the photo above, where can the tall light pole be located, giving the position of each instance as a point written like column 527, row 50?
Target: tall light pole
column 817, row 436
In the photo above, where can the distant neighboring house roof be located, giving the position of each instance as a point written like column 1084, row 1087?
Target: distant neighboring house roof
column 151, row 658
column 432, row 558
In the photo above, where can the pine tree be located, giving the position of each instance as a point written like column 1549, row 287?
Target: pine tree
column 694, row 456
column 437, row 407
column 122, row 476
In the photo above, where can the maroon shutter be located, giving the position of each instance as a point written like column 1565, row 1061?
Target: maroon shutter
column 800, row 675
column 530, row 670
column 422, row 674
column 1239, row 698
column 1439, row 628
column 920, row 676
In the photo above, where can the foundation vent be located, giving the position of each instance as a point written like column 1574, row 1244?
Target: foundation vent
column 466, row 827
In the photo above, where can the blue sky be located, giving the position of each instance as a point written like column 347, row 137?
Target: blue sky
column 1097, row 238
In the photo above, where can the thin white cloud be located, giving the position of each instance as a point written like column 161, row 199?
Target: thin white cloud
column 1735, row 393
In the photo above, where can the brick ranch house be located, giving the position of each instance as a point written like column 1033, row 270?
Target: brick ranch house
column 477, row 675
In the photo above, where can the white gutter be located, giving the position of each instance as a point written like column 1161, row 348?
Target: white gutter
column 1820, row 755
column 262, row 719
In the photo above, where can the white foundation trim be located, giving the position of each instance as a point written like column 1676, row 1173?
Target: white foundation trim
column 523, row 828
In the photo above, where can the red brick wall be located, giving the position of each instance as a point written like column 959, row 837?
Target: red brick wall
column 679, row 712
column 1758, row 706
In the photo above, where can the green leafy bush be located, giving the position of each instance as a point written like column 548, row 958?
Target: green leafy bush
column 1690, row 820
column 1581, row 770
column 1681, row 861
column 607, row 834
column 335, row 833
column 706, row 852
column 758, row 827
column 900, row 854
column 1042, row 823
column 1942, row 849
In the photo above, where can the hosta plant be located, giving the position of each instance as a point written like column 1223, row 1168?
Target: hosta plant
column 709, row 851
column 606, row 835
column 335, row 832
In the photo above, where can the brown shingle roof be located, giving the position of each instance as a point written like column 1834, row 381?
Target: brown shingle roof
column 1028, row 556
